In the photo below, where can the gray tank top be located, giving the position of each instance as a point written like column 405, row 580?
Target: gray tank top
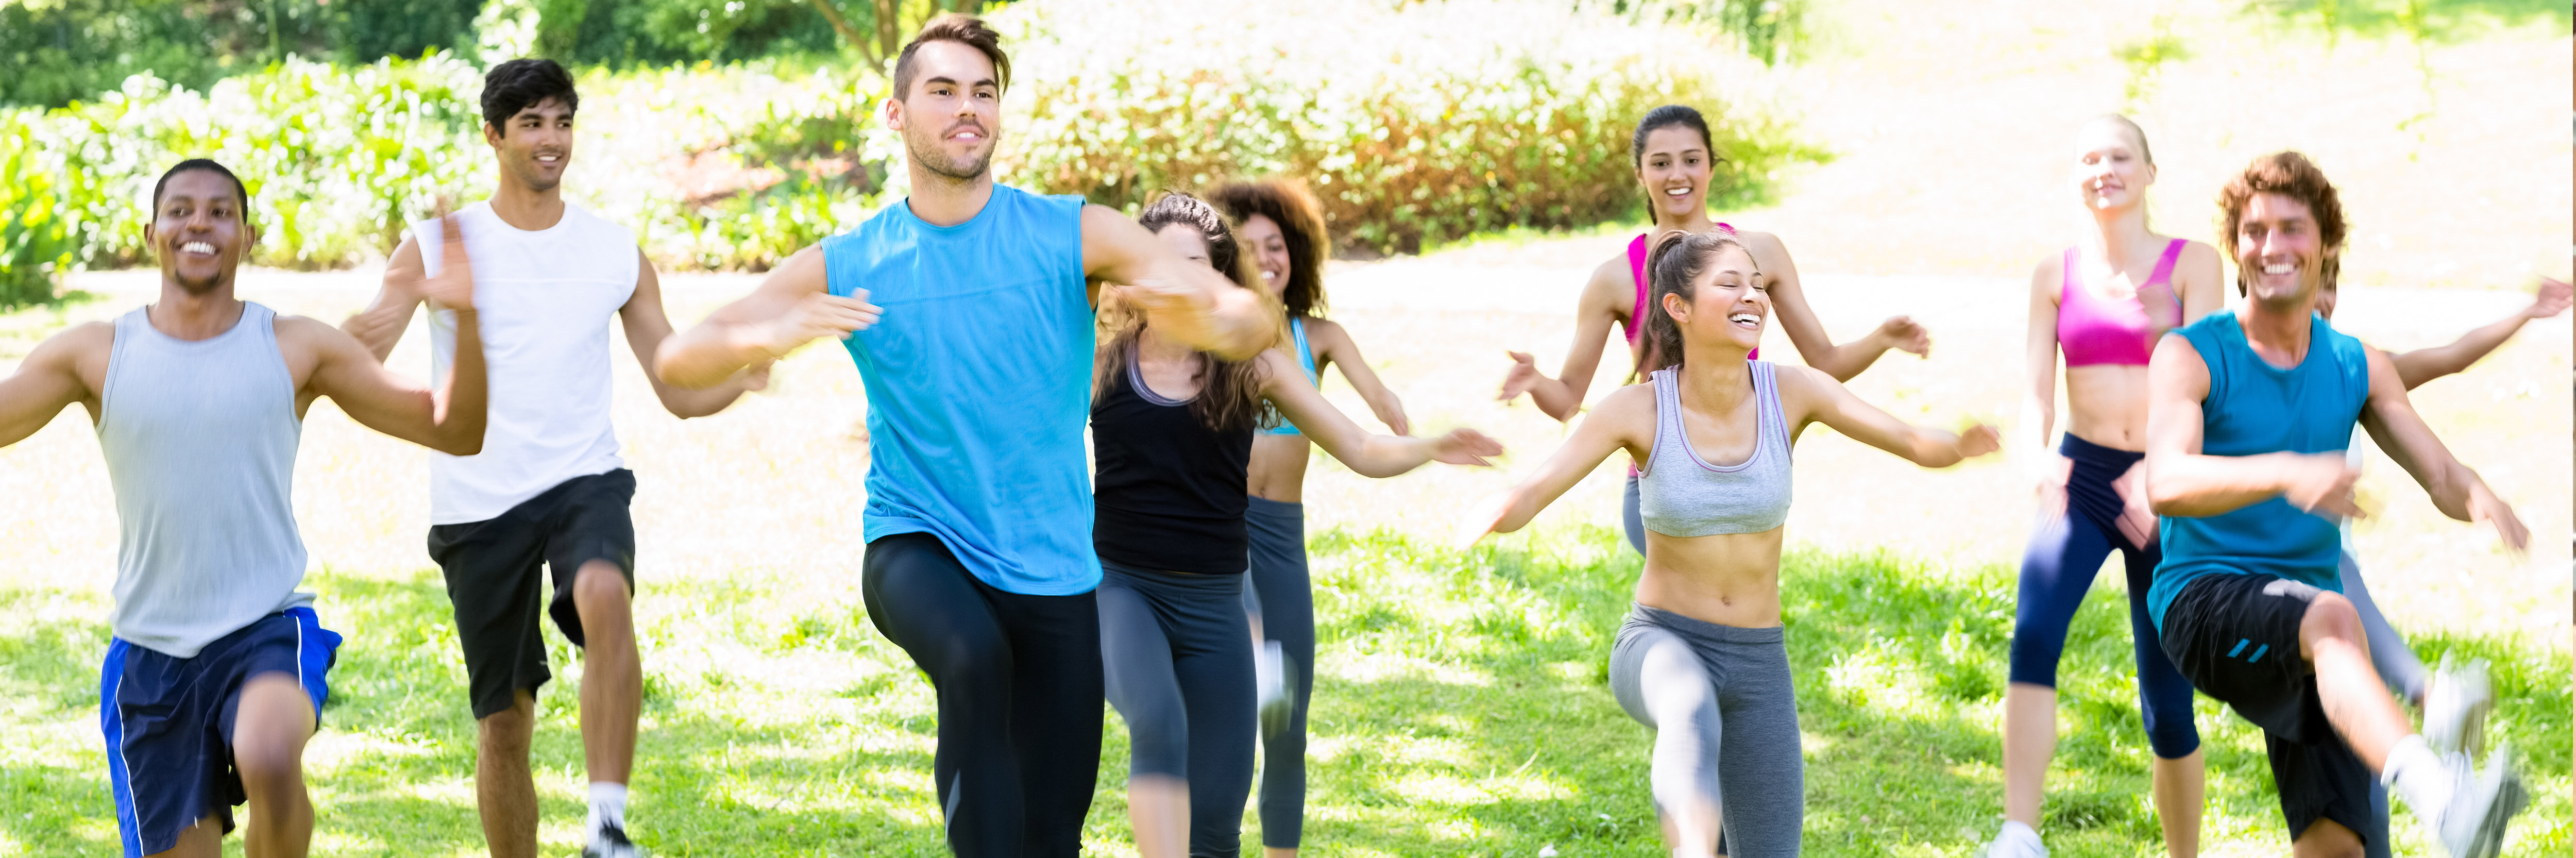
column 1681, row 494
column 200, row 442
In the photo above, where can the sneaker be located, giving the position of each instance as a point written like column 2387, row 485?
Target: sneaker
column 2473, row 824
column 2014, row 841
column 610, row 842
column 1271, row 674
column 2456, row 707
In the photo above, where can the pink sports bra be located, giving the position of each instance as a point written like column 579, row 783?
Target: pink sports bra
column 2094, row 330
column 1635, row 324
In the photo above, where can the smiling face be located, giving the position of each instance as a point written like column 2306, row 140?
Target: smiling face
column 198, row 232
column 1728, row 304
column 2111, row 170
column 952, row 118
column 1674, row 172
column 2279, row 254
column 1269, row 252
column 1186, row 241
column 535, row 145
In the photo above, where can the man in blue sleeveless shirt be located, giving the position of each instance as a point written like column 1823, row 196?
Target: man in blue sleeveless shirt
column 216, row 676
column 2248, row 420
column 968, row 308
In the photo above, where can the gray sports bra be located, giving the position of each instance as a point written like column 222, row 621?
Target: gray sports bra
column 1681, row 494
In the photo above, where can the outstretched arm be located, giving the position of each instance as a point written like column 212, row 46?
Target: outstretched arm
column 380, row 326
column 1624, row 420
column 1789, row 303
column 2423, row 365
column 2456, row 490
column 1284, row 384
column 2181, row 481
column 1185, row 300
column 1808, row 395
column 1333, row 345
column 449, row 419
column 793, row 306
column 647, row 326
column 51, row 379
column 1562, row 397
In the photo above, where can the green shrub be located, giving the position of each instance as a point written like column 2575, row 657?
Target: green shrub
column 1420, row 123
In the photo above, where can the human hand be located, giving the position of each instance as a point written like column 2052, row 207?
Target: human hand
column 2322, row 483
column 2048, row 483
column 1479, row 520
column 2486, row 508
column 1391, row 413
column 2552, row 299
column 453, row 286
column 1904, row 334
column 1180, row 309
column 2137, row 519
column 755, row 376
column 1978, row 440
column 1518, row 380
column 818, row 315
column 1465, row 447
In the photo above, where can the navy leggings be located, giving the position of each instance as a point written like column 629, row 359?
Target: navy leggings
column 1178, row 652
column 2058, row 569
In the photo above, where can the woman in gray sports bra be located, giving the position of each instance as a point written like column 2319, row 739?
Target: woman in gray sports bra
column 1702, row 657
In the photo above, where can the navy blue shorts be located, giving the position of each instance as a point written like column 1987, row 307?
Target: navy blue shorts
column 169, row 721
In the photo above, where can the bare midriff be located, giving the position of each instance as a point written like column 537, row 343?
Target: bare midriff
column 1731, row 579
column 2107, row 405
column 1277, row 471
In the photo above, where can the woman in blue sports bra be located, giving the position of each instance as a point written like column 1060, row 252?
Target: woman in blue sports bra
column 1674, row 159
column 1283, row 228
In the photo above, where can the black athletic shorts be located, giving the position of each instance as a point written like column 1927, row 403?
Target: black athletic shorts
column 492, row 577
column 2236, row 637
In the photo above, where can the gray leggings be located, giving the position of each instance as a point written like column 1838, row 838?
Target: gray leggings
column 2397, row 666
column 1177, row 654
column 1726, row 724
column 1285, row 600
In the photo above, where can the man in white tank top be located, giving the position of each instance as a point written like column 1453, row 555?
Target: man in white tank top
column 218, row 669
column 548, row 488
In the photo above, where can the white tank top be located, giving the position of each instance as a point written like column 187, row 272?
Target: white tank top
column 200, row 443
column 544, row 301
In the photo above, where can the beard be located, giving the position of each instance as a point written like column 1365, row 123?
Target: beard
column 537, row 180
column 925, row 151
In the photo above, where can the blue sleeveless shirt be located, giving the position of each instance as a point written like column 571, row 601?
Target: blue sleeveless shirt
column 2254, row 407
column 978, row 379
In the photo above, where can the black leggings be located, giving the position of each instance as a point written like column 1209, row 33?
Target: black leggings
column 1179, row 655
column 1019, row 696
column 1287, row 608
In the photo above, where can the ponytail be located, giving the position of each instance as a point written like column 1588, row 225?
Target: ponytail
column 1673, row 268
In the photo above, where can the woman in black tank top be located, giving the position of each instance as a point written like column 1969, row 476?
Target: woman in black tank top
column 1171, row 436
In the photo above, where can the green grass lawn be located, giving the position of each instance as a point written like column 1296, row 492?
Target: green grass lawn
column 1461, row 709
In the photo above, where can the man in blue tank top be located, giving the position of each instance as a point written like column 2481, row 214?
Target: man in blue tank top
column 968, row 308
column 219, row 666
column 2249, row 417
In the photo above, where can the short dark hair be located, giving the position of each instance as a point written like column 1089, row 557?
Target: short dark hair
column 523, row 83
column 1665, row 117
column 208, row 165
column 956, row 27
column 1287, row 203
column 2292, row 175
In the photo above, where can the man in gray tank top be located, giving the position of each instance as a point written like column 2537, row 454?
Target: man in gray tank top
column 548, row 495
column 217, row 672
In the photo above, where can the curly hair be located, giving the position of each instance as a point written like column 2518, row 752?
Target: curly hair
column 1286, row 202
column 1674, row 268
column 2292, row 175
column 1229, row 398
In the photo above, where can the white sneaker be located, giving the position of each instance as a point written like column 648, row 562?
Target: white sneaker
column 609, row 841
column 1270, row 676
column 2014, row 841
column 2456, row 707
column 2473, row 824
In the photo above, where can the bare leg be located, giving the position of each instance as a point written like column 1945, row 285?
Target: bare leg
column 2356, row 700
column 1158, row 807
column 612, row 675
column 2030, row 739
column 202, row 840
column 275, row 719
column 2181, row 786
column 504, row 791
column 2326, row 838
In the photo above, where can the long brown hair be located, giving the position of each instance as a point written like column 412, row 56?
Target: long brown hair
column 1674, row 268
column 1229, row 398
column 1286, row 202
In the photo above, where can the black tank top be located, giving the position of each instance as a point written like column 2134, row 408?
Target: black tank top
column 1169, row 491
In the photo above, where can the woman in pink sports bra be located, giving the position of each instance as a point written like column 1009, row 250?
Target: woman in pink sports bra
column 1673, row 157
column 2102, row 304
